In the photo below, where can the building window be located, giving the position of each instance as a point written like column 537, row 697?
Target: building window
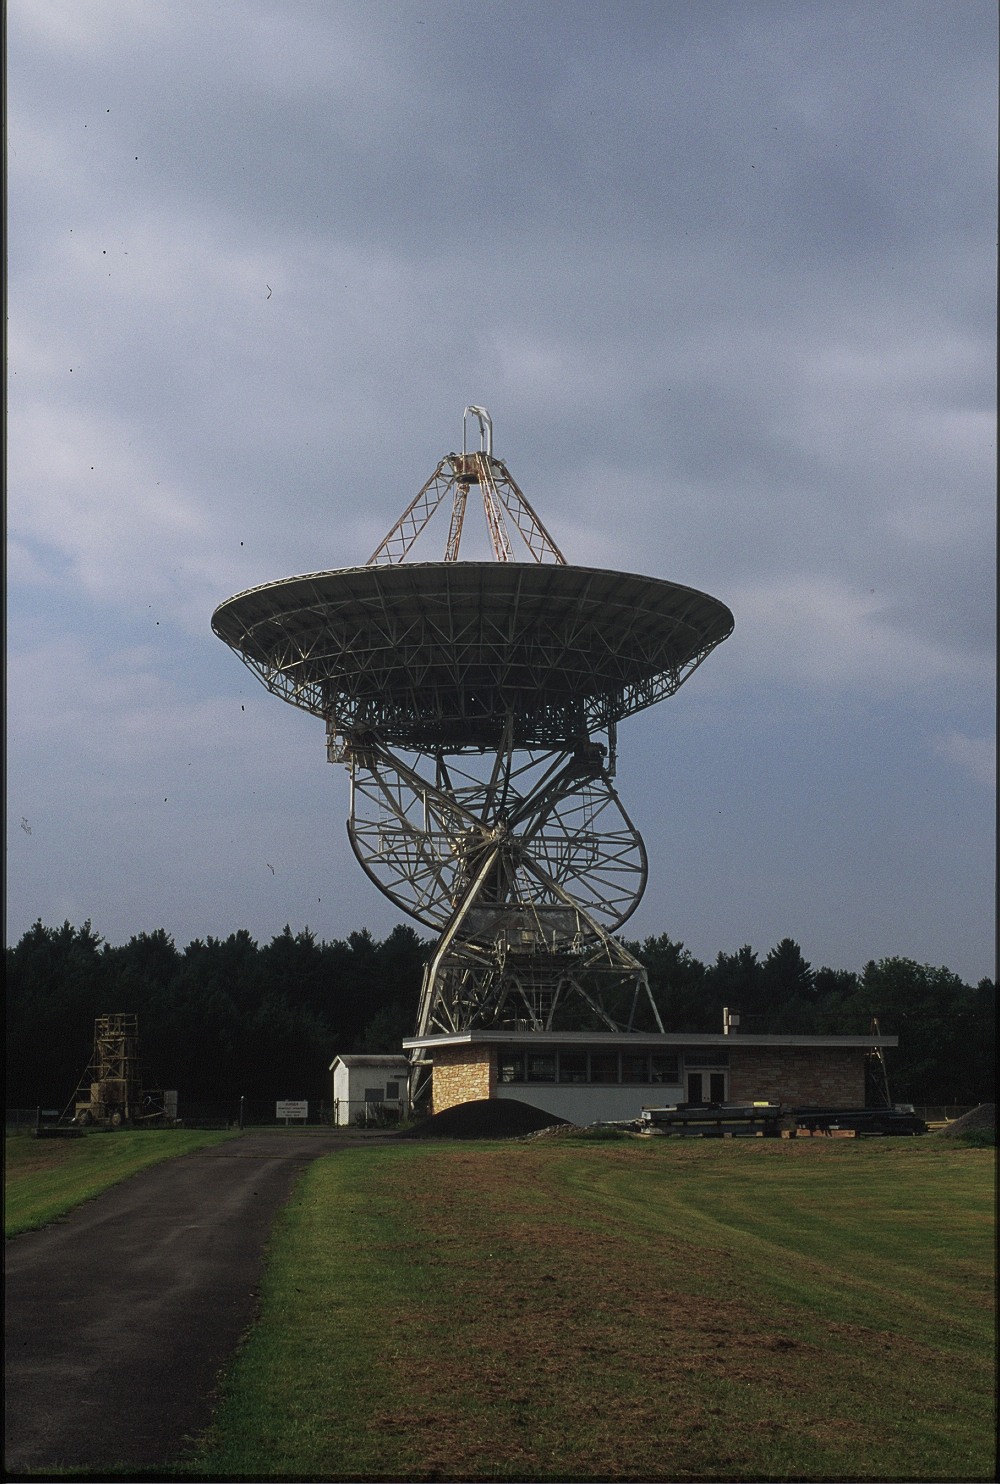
column 392, row 1091
column 374, row 1094
column 510, row 1066
column 603, row 1066
column 541, row 1066
column 572, row 1066
column 635, row 1068
column 709, row 1058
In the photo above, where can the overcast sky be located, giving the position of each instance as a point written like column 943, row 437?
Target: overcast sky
column 723, row 274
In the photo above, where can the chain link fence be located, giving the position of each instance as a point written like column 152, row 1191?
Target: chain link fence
column 237, row 1113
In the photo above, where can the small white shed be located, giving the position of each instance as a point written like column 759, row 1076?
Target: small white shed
column 362, row 1084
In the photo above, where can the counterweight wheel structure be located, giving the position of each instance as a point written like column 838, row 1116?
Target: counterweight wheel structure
column 475, row 706
column 421, row 824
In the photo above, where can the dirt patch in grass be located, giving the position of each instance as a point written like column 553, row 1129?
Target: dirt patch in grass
column 24, row 1154
column 535, row 1339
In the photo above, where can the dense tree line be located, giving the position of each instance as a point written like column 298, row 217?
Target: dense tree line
column 946, row 1028
column 221, row 1018
column 217, row 1019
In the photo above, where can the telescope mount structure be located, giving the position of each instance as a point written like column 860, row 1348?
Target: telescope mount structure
column 475, row 706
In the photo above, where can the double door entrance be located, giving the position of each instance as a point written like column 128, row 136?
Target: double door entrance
column 706, row 1087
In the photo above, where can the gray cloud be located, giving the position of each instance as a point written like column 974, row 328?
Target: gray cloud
column 723, row 273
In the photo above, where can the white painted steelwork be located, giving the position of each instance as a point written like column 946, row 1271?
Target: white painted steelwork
column 468, row 701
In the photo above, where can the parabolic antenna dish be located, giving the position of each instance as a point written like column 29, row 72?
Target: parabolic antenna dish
column 445, row 655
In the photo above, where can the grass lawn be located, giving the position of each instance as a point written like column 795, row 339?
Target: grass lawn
column 45, row 1178
column 646, row 1309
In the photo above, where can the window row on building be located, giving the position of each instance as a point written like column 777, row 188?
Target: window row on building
column 636, row 1067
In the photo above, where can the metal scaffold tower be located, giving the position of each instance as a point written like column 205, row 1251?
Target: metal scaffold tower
column 110, row 1094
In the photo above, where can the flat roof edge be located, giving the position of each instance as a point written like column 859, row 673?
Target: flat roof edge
column 365, row 1059
column 626, row 1039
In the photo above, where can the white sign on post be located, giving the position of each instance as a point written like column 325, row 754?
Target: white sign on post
column 291, row 1110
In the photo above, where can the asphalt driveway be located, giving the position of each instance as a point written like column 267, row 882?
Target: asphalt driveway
column 120, row 1317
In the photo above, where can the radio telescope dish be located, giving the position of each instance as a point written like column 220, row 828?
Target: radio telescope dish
column 446, row 653
column 467, row 699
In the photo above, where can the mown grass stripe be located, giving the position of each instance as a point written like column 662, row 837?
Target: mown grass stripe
column 550, row 1310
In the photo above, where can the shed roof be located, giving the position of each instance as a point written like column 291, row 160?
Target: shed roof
column 390, row 1059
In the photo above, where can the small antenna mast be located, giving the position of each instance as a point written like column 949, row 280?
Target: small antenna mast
column 485, row 430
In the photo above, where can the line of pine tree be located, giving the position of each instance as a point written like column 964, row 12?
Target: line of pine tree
column 225, row 1017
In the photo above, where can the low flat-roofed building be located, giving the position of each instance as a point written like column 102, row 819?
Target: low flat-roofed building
column 591, row 1077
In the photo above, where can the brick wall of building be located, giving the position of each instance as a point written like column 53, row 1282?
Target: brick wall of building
column 828, row 1077
column 461, row 1075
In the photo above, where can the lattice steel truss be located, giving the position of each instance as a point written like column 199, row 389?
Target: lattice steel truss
column 526, row 863
column 110, row 1092
column 455, row 475
column 467, row 700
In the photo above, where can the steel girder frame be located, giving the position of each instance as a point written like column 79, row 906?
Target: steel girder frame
column 113, row 1072
column 495, row 976
column 498, row 951
column 531, row 969
column 455, row 473
column 515, row 866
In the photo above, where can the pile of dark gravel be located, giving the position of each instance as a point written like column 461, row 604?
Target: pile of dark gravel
column 556, row 1131
column 595, row 1131
column 983, row 1117
column 486, row 1118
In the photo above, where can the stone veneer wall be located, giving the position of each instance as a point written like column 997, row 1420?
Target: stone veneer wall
column 827, row 1077
column 461, row 1075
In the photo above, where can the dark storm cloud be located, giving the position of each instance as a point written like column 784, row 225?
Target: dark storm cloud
column 723, row 273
